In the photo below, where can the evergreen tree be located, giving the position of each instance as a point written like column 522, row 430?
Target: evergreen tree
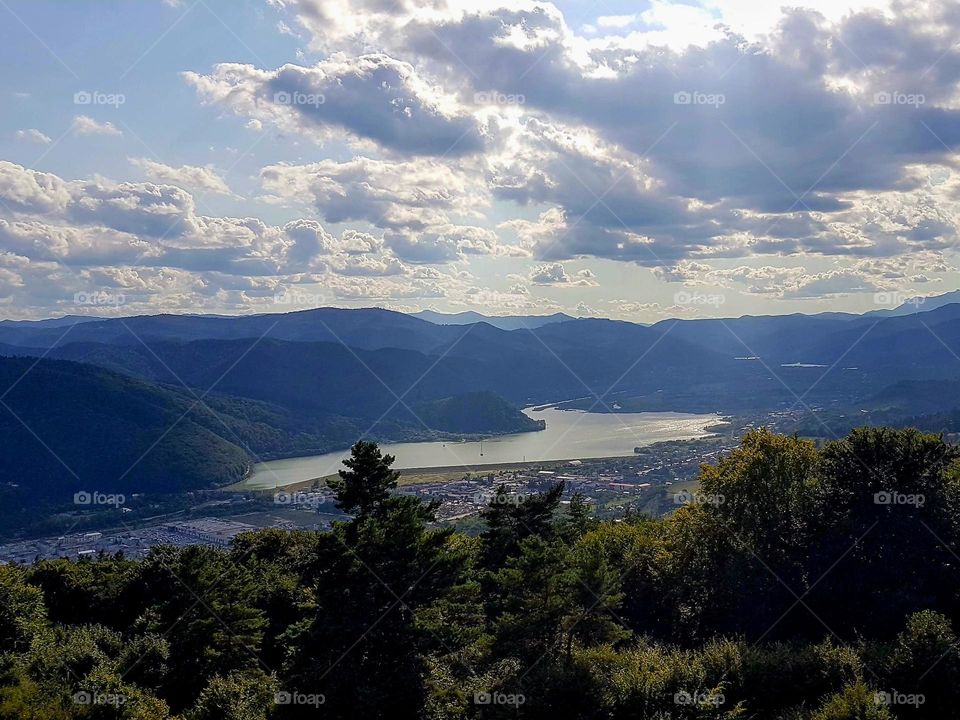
column 510, row 519
column 366, row 483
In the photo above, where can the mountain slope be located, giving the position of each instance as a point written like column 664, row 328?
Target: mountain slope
column 69, row 427
column 476, row 413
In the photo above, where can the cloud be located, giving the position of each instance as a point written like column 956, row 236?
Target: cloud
column 652, row 152
column 784, row 154
column 34, row 136
column 864, row 276
column 188, row 177
column 24, row 190
column 550, row 274
column 309, row 240
column 616, row 21
column 556, row 275
column 423, row 248
column 412, row 195
column 85, row 125
column 372, row 98
column 147, row 242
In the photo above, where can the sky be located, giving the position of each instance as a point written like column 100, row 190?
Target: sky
column 634, row 160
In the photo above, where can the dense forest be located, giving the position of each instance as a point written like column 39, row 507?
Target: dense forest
column 115, row 433
column 800, row 583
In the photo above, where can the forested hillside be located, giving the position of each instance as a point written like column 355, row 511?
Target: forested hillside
column 69, row 427
column 799, row 584
column 476, row 413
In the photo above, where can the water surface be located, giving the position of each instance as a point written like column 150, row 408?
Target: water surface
column 570, row 435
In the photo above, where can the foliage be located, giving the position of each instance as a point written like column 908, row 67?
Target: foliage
column 799, row 584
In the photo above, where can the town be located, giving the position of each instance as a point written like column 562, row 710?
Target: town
column 654, row 481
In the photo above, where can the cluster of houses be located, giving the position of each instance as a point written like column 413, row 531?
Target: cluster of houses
column 134, row 543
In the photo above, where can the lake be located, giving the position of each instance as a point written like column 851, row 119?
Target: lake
column 569, row 435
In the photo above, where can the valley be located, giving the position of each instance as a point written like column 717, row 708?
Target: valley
column 162, row 407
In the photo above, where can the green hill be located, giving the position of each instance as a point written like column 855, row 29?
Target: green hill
column 476, row 413
column 68, row 427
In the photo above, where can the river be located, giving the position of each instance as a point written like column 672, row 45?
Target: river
column 569, row 435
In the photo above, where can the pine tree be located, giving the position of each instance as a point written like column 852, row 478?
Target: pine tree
column 365, row 486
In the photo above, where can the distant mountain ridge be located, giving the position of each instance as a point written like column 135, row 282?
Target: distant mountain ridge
column 504, row 322
column 333, row 361
column 920, row 304
column 368, row 328
column 64, row 321
column 356, row 373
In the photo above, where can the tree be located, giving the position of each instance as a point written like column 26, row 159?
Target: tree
column 202, row 603
column 23, row 615
column 854, row 702
column 597, row 596
column 511, row 518
column 366, row 484
column 890, row 510
column 363, row 649
column 238, row 696
column 925, row 662
column 579, row 519
column 530, row 599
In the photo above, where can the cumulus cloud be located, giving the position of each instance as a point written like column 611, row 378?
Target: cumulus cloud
column 188, row 177
column 30, row 191
column 86, row 125
column 147, row 242
column 556, row 274
column 34, row 136
column 726, row 144
column 652, row 152
column 412, row 195
column 864, row 276
column 550, row 274
column 372, row 98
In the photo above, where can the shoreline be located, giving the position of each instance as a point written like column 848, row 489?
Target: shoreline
column 438, row 470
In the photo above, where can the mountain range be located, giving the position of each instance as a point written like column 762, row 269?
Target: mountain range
column 510, row 322
column 90, row 396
